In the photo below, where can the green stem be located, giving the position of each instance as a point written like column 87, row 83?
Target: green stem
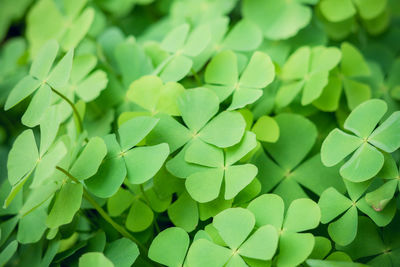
column 104, row 214
column 79, row 125
column 196, row 77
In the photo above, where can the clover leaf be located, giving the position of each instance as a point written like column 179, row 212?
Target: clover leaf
column 221, row 39
column 266, row 129
column 183, row 46
column 43, row 79
column 122, row 252
column 352, row 68
column 68, row 28
column 383, row 194
column 285, row 168
column 380, row 249
column 333, row 204
column 311, row 77
column 150, row 93
column 198, row 107
column 366, row 141
column 169, row 247
column 292, row 16
column 222, row 76
column 25, row 157
column 204, row 186
column 235, row 227
column 301, row 215
column 123, row 159
column 92, row 259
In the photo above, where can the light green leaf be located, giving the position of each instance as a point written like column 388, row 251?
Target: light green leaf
column 197, row 107
column 21, row 90
column 234, row 39
column 381, row 218
column 234, row 153
column 89, row 160
column 234, row 226
column 119, row 202
column 91, row 86
column 22, row 157
column 44, row 59
column 59, row 76
column 259, row 72
column 338, row 145
column 373, row 109
column 237, row 177
column 379, row 198
column 175, row 38
column 268, row 209
column 292, row 70
column 204, row 154
column 94, row 259
column 337, row 10
column 176, row 69
column 8, row 252
column 386, row 136
column 143, row 163
column 134, row 130
column 262, row 244
column 184, row 212
column 205, row 186
column 205, row 253
column 294, row 248
column 37, row 107
column 266, row 129
column 140, row 217
column 332, row 204
column 169, row 247
column 363, row 165
column 302, row 214
column 344, row 230
column 224, row 130
column 32, row 226
column 122, row 252
column 67, row 203
column 353, row 63
column 371, row 8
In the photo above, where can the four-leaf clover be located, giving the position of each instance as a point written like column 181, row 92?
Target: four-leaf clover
column 366, row 141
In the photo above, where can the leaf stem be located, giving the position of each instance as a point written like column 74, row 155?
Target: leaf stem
column 196, row 77
column 104, row 214
column 79, row 125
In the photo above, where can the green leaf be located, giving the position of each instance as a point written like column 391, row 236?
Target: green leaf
column 268, row 209
column 337, row 146
column 122, row 252
column 59, row 76
column 93, row 259
column 337, row 10
column 262, row 244
column 266, row 129
column 363, row 165
column 140, row 217
column 134, row 130
column 370, row 9
column 176, row 69
column 21, row 90
column 353, row 63
column 143, row 163
column 385, row 136
column 237, row 177
column 291, row 16
column 344, row 230
column 259, row 72
column 43, row 61
column 8, row 252
column 373, row 110
column 224, row 130
column 32, row 226
column 89, row 160
column 175, row 39
column 22, row 157
column 302, row 214
column 381, row 218
column 197, row 107
column 379, row 198
column 356, row 92
column 234, row 39
column 169, row 247
column 204, row 154
column 294, row 248
column 332, row 204
column 234, row 225
column 37, row 107
column 297, row 136
column 292, row 70
column 111, row 173
column 150, row 93
column 67, row 203
column 205, row 253
column 205, row 186
column 184, row 212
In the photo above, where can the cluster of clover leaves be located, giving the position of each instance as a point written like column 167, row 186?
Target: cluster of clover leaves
column 200, row 133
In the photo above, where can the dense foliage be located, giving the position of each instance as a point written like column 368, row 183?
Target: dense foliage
column 200, row 133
